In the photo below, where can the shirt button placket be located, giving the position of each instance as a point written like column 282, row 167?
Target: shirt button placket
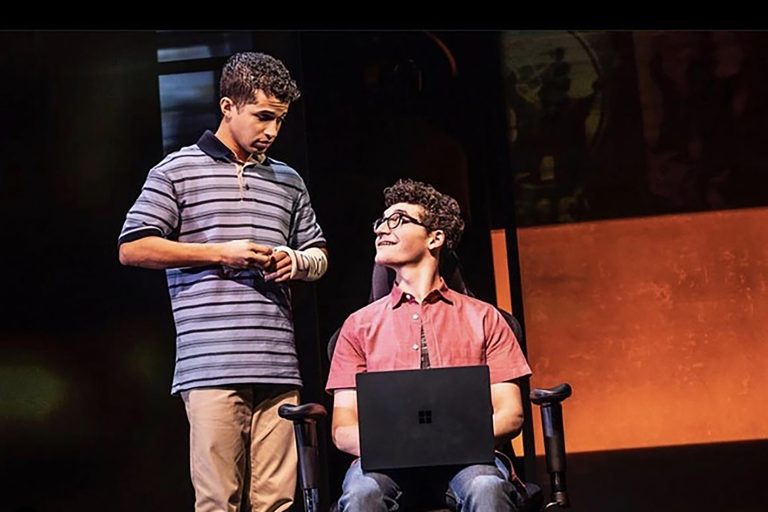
column 417, row 346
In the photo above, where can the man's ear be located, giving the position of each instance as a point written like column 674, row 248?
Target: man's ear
column 227, row 106
column 436, row 239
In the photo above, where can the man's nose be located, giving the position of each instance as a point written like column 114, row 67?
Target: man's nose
column 382, row 229
column 271, row 130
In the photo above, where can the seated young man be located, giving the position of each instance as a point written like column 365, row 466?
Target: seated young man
column 423, row 324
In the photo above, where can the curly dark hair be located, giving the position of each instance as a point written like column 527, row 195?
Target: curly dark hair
column 248, row 72
column 441, row 211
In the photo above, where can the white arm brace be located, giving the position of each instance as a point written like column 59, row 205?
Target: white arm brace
column 307, row 265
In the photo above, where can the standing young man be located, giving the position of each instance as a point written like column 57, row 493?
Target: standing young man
column 231, row 226
column 423, row 324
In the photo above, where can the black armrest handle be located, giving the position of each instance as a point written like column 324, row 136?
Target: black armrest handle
column 304, row 412
column 542, row 396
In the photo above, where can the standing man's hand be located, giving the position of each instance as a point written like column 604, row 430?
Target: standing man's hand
column 280, row 270
column 245, row 254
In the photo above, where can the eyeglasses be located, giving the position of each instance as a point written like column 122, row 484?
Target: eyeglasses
column 394, row 221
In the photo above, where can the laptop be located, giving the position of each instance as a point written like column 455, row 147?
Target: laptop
column 425, row 418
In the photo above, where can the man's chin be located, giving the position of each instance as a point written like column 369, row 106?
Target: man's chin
column 382, row 259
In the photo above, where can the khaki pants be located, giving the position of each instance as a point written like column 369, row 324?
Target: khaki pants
column 240, row 449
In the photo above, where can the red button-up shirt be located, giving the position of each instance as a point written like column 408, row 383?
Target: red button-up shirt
column 460, row 331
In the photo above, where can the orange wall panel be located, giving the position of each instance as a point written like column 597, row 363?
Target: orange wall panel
column 659, row 323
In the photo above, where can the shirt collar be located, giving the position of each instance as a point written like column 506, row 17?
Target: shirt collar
column 211, row 145
column 397, row 296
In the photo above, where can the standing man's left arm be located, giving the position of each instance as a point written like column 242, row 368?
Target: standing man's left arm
column 307, row 265
column 304, row 257
column 507, row 411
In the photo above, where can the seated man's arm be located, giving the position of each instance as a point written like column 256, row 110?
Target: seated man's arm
column 507, row 411
column 344, row 428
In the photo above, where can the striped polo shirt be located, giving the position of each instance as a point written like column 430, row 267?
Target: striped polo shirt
column 232, row 327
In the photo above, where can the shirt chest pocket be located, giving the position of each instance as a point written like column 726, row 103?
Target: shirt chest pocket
column 462, row 347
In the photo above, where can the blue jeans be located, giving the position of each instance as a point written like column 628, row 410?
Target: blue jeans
column 477, row 488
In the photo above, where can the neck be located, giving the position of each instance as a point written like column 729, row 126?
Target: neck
column 418, row 279
column 223, row 135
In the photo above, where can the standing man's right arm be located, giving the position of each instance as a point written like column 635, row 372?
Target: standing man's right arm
column 144, row 240
column 344, row 428
column 159, row 253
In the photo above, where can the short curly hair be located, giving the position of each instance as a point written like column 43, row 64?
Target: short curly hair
column 441, row 211
column 248, row 72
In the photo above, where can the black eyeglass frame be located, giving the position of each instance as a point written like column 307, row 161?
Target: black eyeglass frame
column 395, row 220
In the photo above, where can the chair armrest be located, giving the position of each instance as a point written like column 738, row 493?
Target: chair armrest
column 304, row 418
column 302, row 413
column 542, row 396
column 550, row 402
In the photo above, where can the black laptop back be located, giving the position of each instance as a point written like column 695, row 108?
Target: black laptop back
column 420, row 418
